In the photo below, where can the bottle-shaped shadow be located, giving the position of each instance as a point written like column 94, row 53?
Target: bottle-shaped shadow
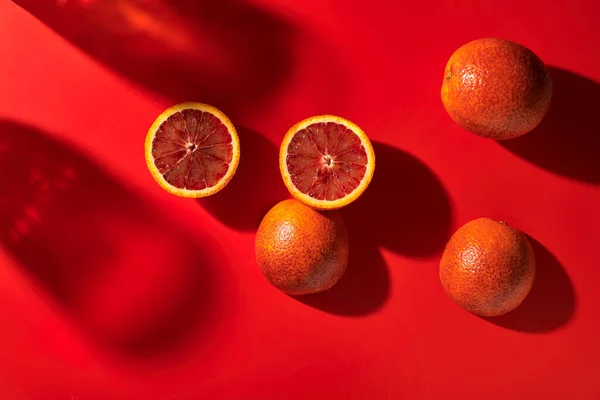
column 228, row 53
column 129, row 276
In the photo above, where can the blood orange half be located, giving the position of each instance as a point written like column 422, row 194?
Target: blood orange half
column 192, row 150
column 326, row 162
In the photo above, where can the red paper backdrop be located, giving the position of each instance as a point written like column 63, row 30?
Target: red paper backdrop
column 111, row 288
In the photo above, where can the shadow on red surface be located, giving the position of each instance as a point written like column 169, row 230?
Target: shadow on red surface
column 131, row 278
column 567, row 141
column 406, row 210
column 551, row 302
column 256, row 187
column 227, row 53
column 364, row 287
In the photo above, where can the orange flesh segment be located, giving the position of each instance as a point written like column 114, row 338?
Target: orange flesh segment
column 326, row 161
column 192, row 149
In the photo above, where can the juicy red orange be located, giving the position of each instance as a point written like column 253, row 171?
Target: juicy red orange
column 326, row 161
column 300, row 250
column 487, row 267
column 192, row 150
column 496, row 88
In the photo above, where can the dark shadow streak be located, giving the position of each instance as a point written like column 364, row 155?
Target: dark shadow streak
column 129, row 276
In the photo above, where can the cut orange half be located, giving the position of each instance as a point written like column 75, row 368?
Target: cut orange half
column 192, row 150
column 326, row 162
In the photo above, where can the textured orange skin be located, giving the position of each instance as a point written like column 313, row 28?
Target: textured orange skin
column 496, row 89
column 300, row 250
column 487, row 267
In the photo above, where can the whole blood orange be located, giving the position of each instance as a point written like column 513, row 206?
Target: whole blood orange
column 301, row 250
column 326, row 162
column 487, row 267
column 496, row 88
column 192, row 150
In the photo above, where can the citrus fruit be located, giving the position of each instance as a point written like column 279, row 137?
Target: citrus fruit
column 192, row 150
column 487, row 267
column 326, row 162
column 496, row 88
column 301, row 250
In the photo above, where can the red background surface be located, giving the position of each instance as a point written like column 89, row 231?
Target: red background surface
column 111, row 288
